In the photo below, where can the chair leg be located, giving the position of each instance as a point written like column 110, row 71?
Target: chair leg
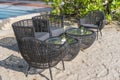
column 50, row 34
column 63, row 64
column 97, row 34
column 50, row 73
column 18, row 51
column 100, row 33
column 27, row 71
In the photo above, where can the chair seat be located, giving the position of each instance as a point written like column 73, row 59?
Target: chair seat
column 56, row 31
column 90, row 25
column 42, row 35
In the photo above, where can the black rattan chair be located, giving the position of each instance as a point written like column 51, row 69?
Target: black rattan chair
column 39, row 54
column 52, row 23
column 24, row 28
column 93, row 20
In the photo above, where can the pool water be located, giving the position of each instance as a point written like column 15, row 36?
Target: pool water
column 8, row 11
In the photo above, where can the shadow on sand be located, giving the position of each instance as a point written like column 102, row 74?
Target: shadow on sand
column 18, row 64
column 9, row 43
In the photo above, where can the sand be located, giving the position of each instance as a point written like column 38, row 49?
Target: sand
column 101, row 61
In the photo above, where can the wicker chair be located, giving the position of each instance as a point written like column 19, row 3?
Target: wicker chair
column 94, row 20
column 54, row 23
column 39, row 54
column 24, row 28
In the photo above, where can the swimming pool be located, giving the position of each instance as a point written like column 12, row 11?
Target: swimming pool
column 8, row 11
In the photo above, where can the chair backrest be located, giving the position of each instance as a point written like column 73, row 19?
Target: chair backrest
column 38, row 53
column 49, row 20
column 41, row 25
column 23, row 28
column 95, row 17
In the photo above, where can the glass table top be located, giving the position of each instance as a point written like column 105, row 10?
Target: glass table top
column 56, row 40
column 78, row 31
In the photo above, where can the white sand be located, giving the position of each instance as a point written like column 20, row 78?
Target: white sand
column 99, row 62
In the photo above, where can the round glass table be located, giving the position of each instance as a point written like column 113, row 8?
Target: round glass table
column 55, row 40
column 73, row 47
column 57, row 44
column 85, row 37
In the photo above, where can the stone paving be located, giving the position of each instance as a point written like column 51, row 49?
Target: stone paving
column 24, row 3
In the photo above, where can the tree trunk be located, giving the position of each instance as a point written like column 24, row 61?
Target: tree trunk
column 108, row 10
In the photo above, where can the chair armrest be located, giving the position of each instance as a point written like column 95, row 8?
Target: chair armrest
column 82, row 21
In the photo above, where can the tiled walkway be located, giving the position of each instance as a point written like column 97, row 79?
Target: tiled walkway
column 25, row 4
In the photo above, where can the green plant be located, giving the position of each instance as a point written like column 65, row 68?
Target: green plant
column 116, row 16
column 56, row 5
column 111, row 8
column 79, row 8
column 109, row 17
column 114, row 6
column 89, row 6
column 75, row 8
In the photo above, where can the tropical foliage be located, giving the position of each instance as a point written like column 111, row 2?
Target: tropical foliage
column 79, row 8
